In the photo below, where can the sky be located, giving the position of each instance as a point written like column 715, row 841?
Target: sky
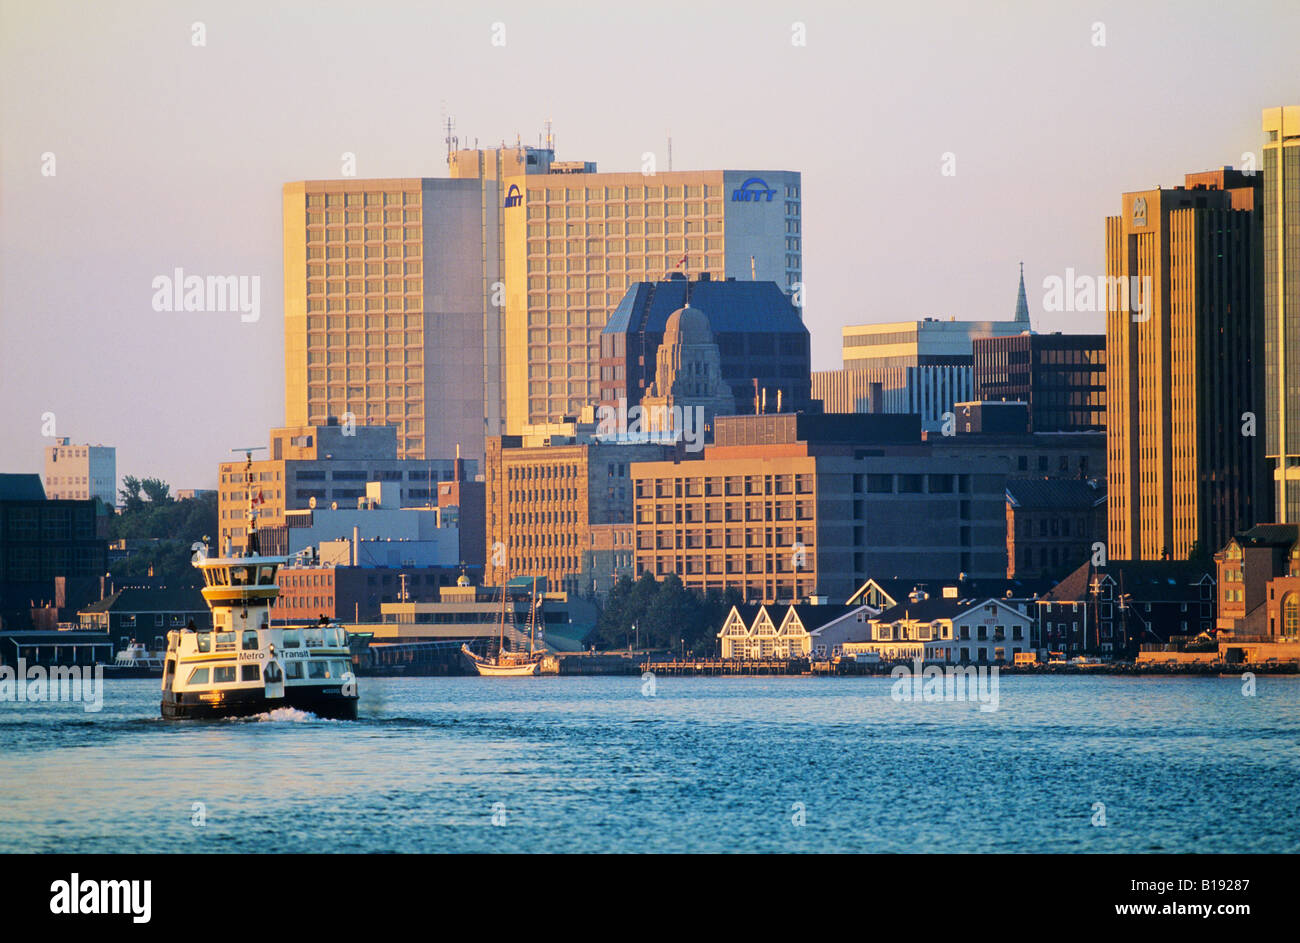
column 166, row 154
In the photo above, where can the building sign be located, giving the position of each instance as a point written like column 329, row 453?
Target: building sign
column 752, row 190
column 1140, row 211
column 513, row 196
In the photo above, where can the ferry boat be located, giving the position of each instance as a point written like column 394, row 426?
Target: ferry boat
column 505, row 663
column 244, row 666
column 135, row 661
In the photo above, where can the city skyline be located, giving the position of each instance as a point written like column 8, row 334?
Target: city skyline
column 207, row 144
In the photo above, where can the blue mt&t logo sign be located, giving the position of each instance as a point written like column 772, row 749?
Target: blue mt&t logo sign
column 513, row 196
column 752, row 191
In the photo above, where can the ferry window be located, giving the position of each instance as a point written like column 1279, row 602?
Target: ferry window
column 198, row 676
column 290, row 639
column 339, row 668
column 205, row 641
column 266, row 576
column 317, row 669
column 250, row 673
column 219, row 577
column 239, row 576
column 293, row 671
column 331, row 637
column 250, row 640
column 312, row 638
column 225, row 641
column 223, row 674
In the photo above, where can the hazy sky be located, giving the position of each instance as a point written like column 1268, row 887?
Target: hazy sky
column 170, row 155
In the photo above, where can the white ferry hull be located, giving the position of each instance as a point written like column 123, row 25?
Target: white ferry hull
column 326, row 702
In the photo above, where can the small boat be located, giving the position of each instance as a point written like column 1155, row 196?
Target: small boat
column 505, row 663
column 244, row 666
column 135, row 661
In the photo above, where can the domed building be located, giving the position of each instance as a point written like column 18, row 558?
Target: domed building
column 688, row 388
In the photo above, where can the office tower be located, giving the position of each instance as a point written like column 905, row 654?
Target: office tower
column 762, row 341
column 1185, row 465
column 1062, row 377
column 1281, row 204
column 81, row 471
column 452, row 307
column 576, row 240
column 384, row 309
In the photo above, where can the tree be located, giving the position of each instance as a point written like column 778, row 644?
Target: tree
column 157, row 491
column 130, row 494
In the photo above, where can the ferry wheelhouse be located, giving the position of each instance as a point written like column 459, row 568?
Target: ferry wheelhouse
column 244, row 665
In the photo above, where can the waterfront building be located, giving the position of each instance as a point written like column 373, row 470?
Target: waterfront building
column 1116, row 608
column 1281, row 305
column 1053, row 525
column 808, row 630
column 51, row 551
column 1251, row 569
column 953, row 631
column 323, row 466
column 763, row 344
column 545, row 491
column 146, row 614
column 1184, row 340
column 1062, row 378
column 81, row 472
column 922, row 366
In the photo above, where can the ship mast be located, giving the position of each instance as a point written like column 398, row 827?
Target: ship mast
column 252, row 547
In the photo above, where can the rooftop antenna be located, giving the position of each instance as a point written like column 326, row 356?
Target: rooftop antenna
column 452, row 142
column 753, row 270
column 550, row 137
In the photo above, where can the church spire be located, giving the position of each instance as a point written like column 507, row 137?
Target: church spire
column 1022, row 303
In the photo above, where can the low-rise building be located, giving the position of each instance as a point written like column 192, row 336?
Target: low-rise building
column 146, row 614
column 1053, row 525
column 952, row 631
column 804, row 631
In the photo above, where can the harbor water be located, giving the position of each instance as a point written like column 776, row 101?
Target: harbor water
column 614, row 764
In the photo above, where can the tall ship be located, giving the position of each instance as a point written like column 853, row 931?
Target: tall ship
column 505, row 662
column 244, row 665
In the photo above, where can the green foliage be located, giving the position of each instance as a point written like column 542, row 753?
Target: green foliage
column 666, row 615
column 151, row 513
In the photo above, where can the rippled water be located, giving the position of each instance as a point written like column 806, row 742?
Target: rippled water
column 708, row 764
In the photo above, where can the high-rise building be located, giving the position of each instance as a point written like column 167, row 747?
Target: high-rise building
column 384, row 308
column 1281, row 203
column 1185, row 466
column 81, row 472
column 452, row 308
column 576, row 240
column 919, row 367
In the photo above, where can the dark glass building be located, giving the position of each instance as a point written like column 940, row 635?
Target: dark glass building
column 761, row 338
column 1061, row 376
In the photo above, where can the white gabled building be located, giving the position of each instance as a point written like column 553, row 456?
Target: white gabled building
column 805, row 630
column 952, row 631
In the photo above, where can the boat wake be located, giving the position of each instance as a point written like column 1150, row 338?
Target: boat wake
column 285, row 715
